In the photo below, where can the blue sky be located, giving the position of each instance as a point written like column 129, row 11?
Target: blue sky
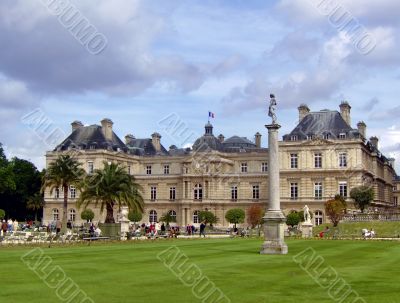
column 189, row 57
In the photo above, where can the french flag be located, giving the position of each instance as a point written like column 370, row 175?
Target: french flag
column 210, row 115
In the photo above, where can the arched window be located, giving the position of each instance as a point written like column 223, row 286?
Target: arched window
column 172, row 213
column 55, row 213
column 198, row 192
column 319, row 216
column 196, row 216
column 152, row 216
column 72, row 214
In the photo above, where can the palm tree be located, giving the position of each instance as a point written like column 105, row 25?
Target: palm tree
column 111, row 186
column 35, row 203
column 63, row 172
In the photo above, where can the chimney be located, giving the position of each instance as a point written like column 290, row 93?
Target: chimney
column 106, row 128
column 362, row 129
column 76, row 124
column 129, row 138
column 345, row 112
column 303, row 111
column 391, row 161
column 155, row 140
column 257, row 139
column 221, row 138
column 374, row 141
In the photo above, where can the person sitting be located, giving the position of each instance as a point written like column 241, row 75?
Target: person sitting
column 97, row 232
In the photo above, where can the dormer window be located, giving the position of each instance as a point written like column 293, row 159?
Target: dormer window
column 327, row 136
column 342, row 136
column 293, row 138
column 310, row 137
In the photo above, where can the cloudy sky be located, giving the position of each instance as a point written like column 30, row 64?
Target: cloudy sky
column 183, row 58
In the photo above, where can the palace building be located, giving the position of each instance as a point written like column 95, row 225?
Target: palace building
column 322, row 156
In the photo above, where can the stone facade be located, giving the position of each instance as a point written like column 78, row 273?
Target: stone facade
column 219, row 174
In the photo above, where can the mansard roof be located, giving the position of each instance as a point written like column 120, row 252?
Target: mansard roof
column 144, row 147
column 324, row 122
column 91, row 137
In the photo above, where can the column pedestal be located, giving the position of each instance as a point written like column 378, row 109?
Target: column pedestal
column 274, row 219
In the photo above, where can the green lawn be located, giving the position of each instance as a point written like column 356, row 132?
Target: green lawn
column 349, row 229
column 131, row 272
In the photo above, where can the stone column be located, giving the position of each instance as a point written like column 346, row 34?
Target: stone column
column 274, row 219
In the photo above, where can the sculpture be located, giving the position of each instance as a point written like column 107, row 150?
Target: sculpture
column 307, row 216
column 272, row 108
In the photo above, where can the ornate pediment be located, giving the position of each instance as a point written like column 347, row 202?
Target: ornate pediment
column 316, row 142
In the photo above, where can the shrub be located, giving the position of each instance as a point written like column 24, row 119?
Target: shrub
column 235, row 216
column 135, row 216
column 87, row 215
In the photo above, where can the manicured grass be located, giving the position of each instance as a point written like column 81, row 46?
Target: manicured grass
column 131, row 272
column 350, row 229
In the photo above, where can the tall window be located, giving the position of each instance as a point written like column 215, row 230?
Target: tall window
column 243, row 167
column 343, row 189
column 172, row 193
column 153, row 193
column 55, row 213
column 318, row 190
column 256, row 191
column 166, row 169
column 90, row 167
column 318, row 215
column 342, row 159
column 294, row 161
column 395, row 201
column 317, row 160
column 72, row 214
column 148, row 170
column 72, row 191
column 129, row 169
column 196, row 216
column 294, row 191
column 152, row 216
column 172, row 213
column 264, row 167
column 57, row 193
column 234, row 192
column 198, row 192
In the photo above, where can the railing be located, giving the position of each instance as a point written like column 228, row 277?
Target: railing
column 371, row 217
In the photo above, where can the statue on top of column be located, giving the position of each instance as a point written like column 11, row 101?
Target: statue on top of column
column 272, row 108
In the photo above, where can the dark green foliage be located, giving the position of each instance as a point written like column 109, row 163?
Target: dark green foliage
column 293, row 218
column 207, row 217
column 87, row 215
column 111, row 186
column 362, row 196
column 135, row 216
column 62, row 173
column 235, row 216
column 167, row 218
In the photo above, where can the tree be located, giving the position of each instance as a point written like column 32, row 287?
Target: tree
column 87, row 214
column 2, row 214
column 6, row 173
column 293, row 218
column 35, row 203
column 63, row 172
column 167, row 218
column 111, row 186
column 208, row 217
column 135, row 216
column 362, row 196
column 335, row 208
column 235, row 216
column 255, row 215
